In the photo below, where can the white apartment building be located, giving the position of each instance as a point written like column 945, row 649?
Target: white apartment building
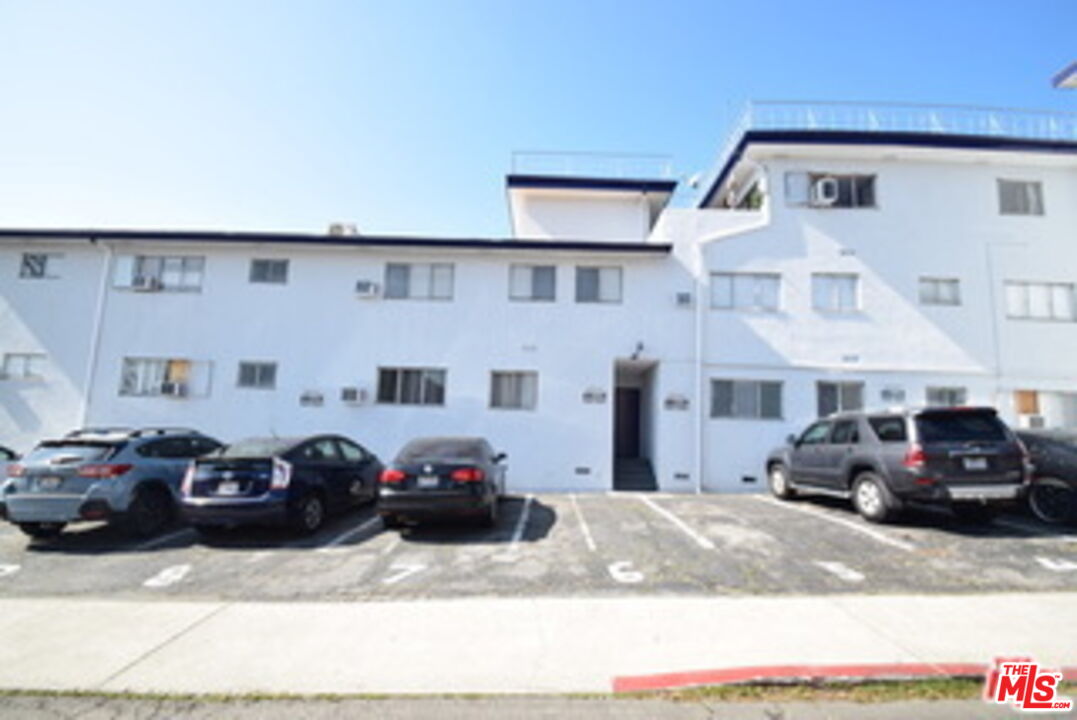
column 838, row 256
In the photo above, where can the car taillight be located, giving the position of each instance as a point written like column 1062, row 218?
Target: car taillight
column 188, row 481
column 468, row 475
column 16, row 470
column 390, row 476
column 282, row 475
column 104, row 470
column 914, row 457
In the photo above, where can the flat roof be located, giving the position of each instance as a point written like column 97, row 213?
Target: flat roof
column 565, row 182
column 357, row 241
column 876, row 137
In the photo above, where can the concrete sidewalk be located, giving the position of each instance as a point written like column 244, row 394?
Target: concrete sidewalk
column 504, row 645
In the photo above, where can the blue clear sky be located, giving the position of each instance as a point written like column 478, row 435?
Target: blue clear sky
column 402, row 115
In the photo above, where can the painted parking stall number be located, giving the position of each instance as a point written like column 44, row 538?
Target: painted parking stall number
column 622, row 572
column 1057, row 564
column 8, row 570
column 168, row 576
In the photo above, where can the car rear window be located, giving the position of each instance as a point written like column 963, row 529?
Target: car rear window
column 447, row 449
column 257, row 447
column 960, row 427
column 71, row 453
column 890, row 428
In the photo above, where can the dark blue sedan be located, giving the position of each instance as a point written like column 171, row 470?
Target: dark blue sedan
column 279, row 481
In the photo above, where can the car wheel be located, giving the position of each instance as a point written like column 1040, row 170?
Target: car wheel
column 391, row 522
column 489, row 518
column 871, row 498
column 41, row 529
column 1052, row 500
column 778, row 480
column 310, row 513
column 974, row 512
column 149, row 511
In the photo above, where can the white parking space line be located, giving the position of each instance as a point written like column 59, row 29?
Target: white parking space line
column 1030, row 529
column 857, row 527
column 348, row 534
column 164, row 539
column 842, row 570
column 8, row 570
column 1057, row 564
column 391, row 546
column 168, row 576
column 583, row 525
column 510, row 554
column 260, row 555
column 699, row 539
column 401, row 571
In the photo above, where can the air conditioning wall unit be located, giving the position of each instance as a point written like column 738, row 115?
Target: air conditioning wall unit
column 824, row 191
column 1031, row 422
column 353, row 395
column 684, row 299
column 367, row 289
column 174, row 389
column 146, row 283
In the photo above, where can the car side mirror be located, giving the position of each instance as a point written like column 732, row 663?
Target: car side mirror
column 500, row 457
column 791, row 440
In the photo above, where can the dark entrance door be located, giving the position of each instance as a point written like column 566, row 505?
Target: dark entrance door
column 626, row 423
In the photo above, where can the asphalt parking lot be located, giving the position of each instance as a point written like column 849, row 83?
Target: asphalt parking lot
column 560, row 545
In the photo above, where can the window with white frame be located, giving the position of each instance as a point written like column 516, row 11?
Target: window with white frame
column 172, row 377
column 411, row 386
column 946, row 396
column 750, row 399
column 598, row 284
column 419, row 281
column 23, row 366
column 273, row 272
column 38, row 266
column 832, row 397
column 1020, row 197
column 257, row 375
column 536, row 283
column 940, row 291
column 1040, row 301
column 513, row 390
column 836, row 292
column 176, row 273
column 745, row 291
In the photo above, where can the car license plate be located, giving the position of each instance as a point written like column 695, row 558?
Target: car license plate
column 428, row 481
column 49, row 483
column 978, row 463
column 228, row 487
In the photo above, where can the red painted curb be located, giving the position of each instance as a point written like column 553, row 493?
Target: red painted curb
column 805, row 673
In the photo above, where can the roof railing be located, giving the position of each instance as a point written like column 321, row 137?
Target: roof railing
column 883, row 117
column 593, row 165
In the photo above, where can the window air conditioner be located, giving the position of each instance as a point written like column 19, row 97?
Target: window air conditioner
column 367, row 289
column 174, row 389
column 146, row 283
column 824, row 192
column 1031, row 422
column 353, row 395
column 684, row 299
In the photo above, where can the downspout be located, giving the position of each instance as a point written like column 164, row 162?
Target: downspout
column 95, row 336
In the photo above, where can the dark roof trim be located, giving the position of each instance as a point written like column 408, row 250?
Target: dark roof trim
column 1065, row 74
column 357, row 241
column 907, row 139
column 558, row 182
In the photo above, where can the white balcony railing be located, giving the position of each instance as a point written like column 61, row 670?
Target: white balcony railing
column 895, row 117
column 593, row 165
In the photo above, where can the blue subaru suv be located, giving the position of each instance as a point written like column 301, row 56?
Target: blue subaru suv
column 129, row 477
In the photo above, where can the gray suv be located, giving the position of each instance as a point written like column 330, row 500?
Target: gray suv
column 120, row 475
column 963, row 457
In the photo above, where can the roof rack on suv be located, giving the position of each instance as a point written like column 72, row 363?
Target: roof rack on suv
column 83, row 432
column 143, row 432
